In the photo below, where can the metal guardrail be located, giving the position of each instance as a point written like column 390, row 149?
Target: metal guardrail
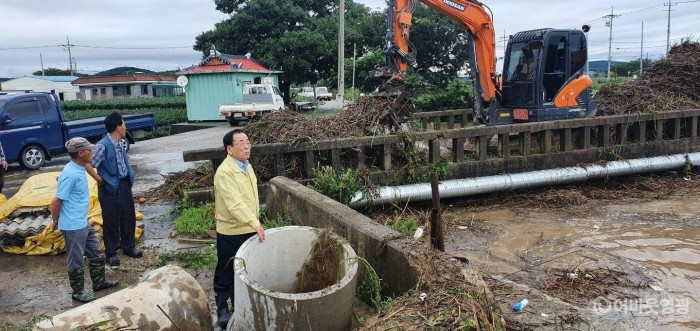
column 560, row 139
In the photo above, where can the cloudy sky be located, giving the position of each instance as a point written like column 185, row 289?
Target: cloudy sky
column 159, row 34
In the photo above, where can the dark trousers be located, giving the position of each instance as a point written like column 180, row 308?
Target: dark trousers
column 2, row 178
column 118, row 217
column 226, row 249
column 80, row 243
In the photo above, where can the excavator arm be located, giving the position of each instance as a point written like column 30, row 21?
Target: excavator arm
column 470, row 14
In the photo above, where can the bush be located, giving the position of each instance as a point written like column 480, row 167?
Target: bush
column 124, row 104
column 340, row 186
column 426, row 97
column 163, row 117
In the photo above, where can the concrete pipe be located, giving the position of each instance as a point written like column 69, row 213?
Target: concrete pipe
column 265, row 283
column 167, row 298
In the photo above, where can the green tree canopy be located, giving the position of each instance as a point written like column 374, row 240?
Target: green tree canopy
column 629, row 68
column 300, row 38
column 52, row 72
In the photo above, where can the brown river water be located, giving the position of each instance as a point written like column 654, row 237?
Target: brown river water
column 658, row 240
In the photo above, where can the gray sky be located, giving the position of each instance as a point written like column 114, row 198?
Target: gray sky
column 109, row 34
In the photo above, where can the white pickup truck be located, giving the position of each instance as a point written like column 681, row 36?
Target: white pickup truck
column 258, row 100
column 321, row 93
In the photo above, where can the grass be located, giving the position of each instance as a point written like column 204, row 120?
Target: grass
column 196, row 220
column 405, row 226
column 28, row 326
column 191, row 259
column 280, row 221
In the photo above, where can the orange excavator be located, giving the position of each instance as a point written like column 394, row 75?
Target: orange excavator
column 543, row 73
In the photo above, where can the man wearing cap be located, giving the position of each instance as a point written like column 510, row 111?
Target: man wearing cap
column 69, row 212
column 115, row 177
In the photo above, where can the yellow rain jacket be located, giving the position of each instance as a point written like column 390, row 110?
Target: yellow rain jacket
column 236, row 199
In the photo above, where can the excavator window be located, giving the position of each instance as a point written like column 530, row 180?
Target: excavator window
column 522, row 60
column 578, row 51
column 555, row 71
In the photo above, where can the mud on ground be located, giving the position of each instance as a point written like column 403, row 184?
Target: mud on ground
column 575, row 250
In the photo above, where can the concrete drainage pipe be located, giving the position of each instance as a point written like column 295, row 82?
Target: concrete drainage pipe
column 264, row 288
column 167, row 298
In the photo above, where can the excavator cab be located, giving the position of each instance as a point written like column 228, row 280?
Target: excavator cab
column 543, row 78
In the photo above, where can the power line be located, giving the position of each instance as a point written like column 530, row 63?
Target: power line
column 27, row 47
column 133, row 48
column 96, row 47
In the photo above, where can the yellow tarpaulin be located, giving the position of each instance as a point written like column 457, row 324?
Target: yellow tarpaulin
column 38, row 191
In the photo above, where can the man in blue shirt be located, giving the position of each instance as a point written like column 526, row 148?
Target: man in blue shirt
column 69, row 212
column 115, row 177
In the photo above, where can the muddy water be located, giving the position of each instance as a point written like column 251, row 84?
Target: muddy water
column 662, row 238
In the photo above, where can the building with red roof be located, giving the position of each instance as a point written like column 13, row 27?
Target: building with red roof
column 220, row 78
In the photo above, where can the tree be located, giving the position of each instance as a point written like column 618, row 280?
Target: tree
column 283, row 35
column 300, row 38
column 53, row 72
column 441, row 46
column 630, row 68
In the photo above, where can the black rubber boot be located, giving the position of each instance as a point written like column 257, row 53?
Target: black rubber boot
column 222, row 312
column 77, row 283
column 97, row 274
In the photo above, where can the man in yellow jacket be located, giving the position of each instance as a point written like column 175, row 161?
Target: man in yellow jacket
column 237, row 215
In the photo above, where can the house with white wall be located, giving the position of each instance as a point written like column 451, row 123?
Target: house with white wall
column 60, row 84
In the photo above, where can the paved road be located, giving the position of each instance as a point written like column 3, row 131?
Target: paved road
column 152, row 159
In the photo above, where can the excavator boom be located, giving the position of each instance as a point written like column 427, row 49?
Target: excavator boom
column 470, row 14
column 543, row 74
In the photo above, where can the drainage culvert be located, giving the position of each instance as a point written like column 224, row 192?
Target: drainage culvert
column 265, row 287
column 168, row 298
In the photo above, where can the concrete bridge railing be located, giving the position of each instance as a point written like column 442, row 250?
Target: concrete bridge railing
column 484, row 150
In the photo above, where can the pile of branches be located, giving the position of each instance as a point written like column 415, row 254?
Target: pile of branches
column 175, row 183
column 670, row 84
column 581, row 285
column 445, row 298
column 366, row 116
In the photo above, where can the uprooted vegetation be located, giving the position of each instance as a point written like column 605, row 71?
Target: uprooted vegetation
column 446, row 298
column 175, row 183
column 323, row 267
column 670, row 84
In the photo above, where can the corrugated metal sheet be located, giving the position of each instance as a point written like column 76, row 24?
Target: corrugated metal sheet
column 23, row 223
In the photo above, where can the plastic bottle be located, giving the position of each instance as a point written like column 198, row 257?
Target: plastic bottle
column 520, row 305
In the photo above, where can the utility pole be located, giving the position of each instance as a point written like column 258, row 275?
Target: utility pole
column 42, row 64
column 341, row 54
column 587, row 57
column 668, row 29
column 641, row 53
column 70, row 57
column 354, row 54
column 504, row 44
column 609, row 23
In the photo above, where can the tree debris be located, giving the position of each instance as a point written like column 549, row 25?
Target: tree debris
column 670, row 84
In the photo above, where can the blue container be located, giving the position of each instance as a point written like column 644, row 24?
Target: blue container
column 520, row 305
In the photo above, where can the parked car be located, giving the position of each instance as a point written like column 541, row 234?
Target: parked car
column 258, row 100
column 33, row 128
column 323, row 94
column 306, row 92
